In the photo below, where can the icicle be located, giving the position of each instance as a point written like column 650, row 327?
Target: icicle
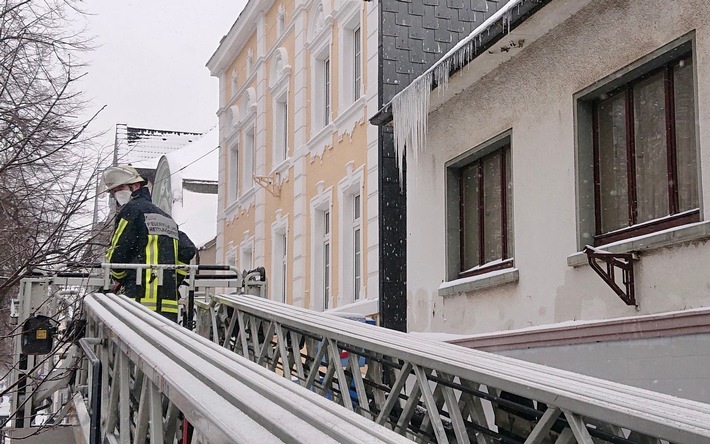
column 410, row 107
column 410, row 111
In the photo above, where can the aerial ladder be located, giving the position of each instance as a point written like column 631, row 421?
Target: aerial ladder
column 243, row 368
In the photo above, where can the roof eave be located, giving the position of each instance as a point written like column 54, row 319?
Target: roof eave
column 384, row 116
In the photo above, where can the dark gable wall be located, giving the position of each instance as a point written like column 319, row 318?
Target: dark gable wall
column 414, row 34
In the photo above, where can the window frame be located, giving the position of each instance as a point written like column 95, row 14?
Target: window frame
column 320, row 204
column 357, row 62
column 587, row 152
column 455, row 241
column 280, row 136
column 246, row 254
column 327, row 258
column 357, row 245
column 326, row 85
column 233, row 180
column 676, row 217
column 280, row 263
column 248, row 160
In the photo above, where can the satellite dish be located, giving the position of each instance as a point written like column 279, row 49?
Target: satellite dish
column 162, row 188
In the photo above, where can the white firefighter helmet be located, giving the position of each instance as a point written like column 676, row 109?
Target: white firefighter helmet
column 120, row 175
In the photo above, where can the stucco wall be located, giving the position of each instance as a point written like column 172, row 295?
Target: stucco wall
column 677, row 366
column 330, row 156
column 532, row 95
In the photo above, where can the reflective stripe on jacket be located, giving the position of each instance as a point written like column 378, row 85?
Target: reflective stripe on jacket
column 145, row 234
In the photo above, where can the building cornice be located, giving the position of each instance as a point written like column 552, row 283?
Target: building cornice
column 688, row 322
column 240, row 32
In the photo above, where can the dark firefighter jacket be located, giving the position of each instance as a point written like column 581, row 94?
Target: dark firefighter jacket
column 145, row 234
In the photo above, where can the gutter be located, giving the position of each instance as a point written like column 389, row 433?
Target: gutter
column 499, row 24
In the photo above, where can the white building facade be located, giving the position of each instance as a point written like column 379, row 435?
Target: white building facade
column 587, row 125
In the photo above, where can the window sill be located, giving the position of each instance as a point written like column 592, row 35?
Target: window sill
column 284, row 165
column 479, row 282
column 321, row 140
column 666, row 238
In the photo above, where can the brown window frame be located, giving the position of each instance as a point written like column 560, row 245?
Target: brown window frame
column 676, row 217
column 506, row 262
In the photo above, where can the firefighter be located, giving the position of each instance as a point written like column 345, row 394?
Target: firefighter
column 145, row 234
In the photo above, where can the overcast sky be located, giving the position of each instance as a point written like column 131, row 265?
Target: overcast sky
column 148, row 67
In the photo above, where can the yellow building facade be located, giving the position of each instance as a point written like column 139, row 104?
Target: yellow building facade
column 298, row 159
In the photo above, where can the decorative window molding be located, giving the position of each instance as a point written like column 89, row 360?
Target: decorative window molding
column 246, row 252
column 234, row 115
column 250, row 62
column 279, row 257
column 351, row 61
column 321, row 248
column 319, row 27
column 349, row 119
column 233, row 173
column 637, row 149
column 281, row 20
column 247, row 109
column 350, row 210
column 319, row 45
column 234, row 81
column 322, row 140
column 248, row 157
column 230, row 257
column 279, row 89
column 280, row 70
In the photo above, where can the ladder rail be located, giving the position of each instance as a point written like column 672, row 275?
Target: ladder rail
column 644, row 411
column 226, row 397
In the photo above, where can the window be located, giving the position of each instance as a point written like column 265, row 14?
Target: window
column 350, row 61
column 247, row 259
column 350, row 237
column 480, row 210
column 284, row 264
column 357, row 63
column 280, row 263
column 321, row 257
column 645, row 163
column 281, row 20
column 234, row 81
column 281, row 130
column 231, row 256
column 326, row 259
column 357, row 273
column 233, row 172
column 248, row 161
column 326, row 91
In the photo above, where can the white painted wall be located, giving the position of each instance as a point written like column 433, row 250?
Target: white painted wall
column 676, row 366
column 532, row 94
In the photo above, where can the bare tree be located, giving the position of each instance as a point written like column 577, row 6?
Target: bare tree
column 47, row 165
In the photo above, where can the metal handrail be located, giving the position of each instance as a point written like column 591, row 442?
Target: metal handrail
column 86, row 345
column 577, row 396
column 224, row 396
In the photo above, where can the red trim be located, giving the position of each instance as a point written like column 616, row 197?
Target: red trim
column 631, row 156
column 508, row 263
column 642, row 327
column 675, row 220
column 670, row 139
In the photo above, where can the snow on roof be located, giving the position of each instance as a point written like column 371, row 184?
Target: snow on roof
column 138, row 145
column 195, row 213
column 199, row 159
